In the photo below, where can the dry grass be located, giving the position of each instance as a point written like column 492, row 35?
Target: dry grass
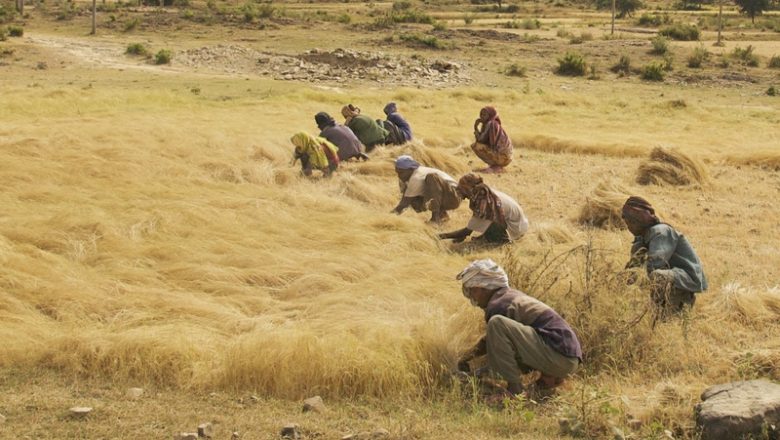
column 602, row 209
column 554, row 145
column 151, row 236
column 764, row 159
column 672, row 167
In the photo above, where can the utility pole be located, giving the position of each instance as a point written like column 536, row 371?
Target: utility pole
column 613, row 18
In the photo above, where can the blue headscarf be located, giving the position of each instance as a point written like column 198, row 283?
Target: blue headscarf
column 406, row 162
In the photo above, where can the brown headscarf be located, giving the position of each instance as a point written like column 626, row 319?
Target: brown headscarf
column 349, row 112
column 483, row 202
column 640, row 211
column 489, row 120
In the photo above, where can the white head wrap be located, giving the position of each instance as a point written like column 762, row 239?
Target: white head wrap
column 483, row 273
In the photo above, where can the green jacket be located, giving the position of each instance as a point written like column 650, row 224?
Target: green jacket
column 367, row 130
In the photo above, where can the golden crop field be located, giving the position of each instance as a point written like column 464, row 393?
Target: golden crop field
column 154, row 234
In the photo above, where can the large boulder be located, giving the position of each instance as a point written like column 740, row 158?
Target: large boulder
column 739, row 409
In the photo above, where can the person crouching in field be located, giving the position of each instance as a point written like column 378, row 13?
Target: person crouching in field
column 315, row 153
column 370, row 132
column 341, row 136
column 523, row 333
column 492, row 144
column 425, row 188
column 496, row 216
column 399, row 130
column 672, row 265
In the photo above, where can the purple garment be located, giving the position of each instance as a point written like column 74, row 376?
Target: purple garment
column 342, row 137
column 553, row 329
column 402, row 125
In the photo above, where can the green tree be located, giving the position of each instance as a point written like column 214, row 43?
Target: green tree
column 623, row 8
column 752, row 7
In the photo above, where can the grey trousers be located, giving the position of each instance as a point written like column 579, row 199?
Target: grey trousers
column 514, row 349
column 668, row 298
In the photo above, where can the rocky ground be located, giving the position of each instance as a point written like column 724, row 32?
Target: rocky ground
column 339, row 66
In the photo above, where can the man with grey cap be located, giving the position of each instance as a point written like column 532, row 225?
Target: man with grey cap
column 425, row 188
column 523, row 333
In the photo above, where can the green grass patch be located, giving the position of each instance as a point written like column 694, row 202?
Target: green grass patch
column 680, row 32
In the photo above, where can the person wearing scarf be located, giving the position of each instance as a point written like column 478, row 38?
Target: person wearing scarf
column 492, row 144
column 341, row 136
column 425, row 188
column 315, row 153
column 674, row 268
column 395, row 118
column 495, row 215
column 369, row 131
column 523, row 334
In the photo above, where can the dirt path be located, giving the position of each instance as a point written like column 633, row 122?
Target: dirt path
column 95, row 52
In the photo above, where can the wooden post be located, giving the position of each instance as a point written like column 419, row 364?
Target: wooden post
column 613, row 18
column 720, row 23
column 94, row 17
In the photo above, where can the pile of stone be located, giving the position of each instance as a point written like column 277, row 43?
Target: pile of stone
column 339, row 66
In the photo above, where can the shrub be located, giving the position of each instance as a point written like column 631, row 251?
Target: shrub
column 668, row 61
column 401, row 5
column 623, row 66
column 3, row 34
column 699, row 56
column 344, row 18
column 660, row 45
column 771, row 91
column 131, row 24
column 440, row 26
column 249, row 11
column 681, row 32
column 653, row 19
column 531, row 23
column 163, row 56
column 746, row 56
column 136, row 49
column 412, row 16
column 515, row 69
column 774, row 62
column 468, row 19
column 6, row 52
column 594, row 74
column 571, row 64
column 585, row 36
column 15, row 31
column 428, row 41
column 563, row 33
column 653, row 72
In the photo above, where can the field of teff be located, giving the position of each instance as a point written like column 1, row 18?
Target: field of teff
column 154, row 233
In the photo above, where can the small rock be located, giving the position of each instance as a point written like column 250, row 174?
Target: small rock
column 291, row 431
column 134, row 393
column 380, row 433
column 80, row 411
column 185, row 436
column 235, row 435
column 617, row 433
column 314, row 404
column 668, row 434
column 205, row 430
